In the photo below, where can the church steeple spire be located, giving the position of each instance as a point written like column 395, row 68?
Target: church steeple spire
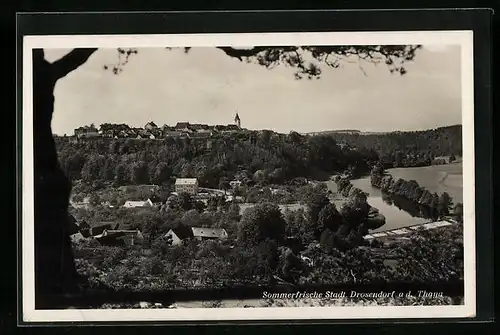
column 237, row 120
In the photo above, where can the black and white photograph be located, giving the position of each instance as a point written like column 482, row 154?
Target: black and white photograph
column 248, row 176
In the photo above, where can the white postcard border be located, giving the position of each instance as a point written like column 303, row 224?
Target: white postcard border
column 462, row 38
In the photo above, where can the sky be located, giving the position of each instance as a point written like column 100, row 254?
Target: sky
column 206, row 86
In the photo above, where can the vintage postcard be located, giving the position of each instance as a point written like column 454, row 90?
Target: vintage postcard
column 280, row 176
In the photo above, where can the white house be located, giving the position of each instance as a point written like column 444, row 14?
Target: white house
column 186, row 185
column 136, row 204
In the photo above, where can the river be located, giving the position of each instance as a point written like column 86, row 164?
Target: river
column 395, row 216
column 390, row 207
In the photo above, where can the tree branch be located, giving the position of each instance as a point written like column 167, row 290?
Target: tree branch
column 71, row 61
column 394, row 56
column 240, row 53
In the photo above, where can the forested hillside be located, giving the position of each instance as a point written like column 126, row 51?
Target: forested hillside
column 413, row 148
column 263, row 156
column 254, row 156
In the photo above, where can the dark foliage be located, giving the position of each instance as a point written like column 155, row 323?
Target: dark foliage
column 306, row 61
column 261, row 223
column 407, row 148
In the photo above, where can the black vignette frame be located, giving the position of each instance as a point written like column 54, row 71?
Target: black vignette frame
column 479, row 21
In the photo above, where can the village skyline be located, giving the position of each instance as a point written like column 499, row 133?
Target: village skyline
column 196, row 126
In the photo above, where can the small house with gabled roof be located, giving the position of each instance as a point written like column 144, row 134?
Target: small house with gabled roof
column 179, row 234
column 150, row 126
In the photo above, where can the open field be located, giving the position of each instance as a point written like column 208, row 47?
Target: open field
column 436, row 178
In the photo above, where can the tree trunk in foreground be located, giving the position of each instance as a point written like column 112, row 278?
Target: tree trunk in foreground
column 55, row 271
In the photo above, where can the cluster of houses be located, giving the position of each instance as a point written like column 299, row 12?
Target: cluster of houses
column 189, row 186
column 152, row 131
column 108, row 233
column 182, row 185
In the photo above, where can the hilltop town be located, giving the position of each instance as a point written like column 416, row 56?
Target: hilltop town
column 152, row 131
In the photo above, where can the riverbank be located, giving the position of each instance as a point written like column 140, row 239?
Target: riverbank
column 400, row 213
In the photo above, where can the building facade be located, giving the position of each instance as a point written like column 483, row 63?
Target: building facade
column 186, row 185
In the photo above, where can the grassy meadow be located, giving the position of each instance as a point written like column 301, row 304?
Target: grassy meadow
column 436, row 178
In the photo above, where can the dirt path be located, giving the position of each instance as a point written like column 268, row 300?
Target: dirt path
column 443, row 178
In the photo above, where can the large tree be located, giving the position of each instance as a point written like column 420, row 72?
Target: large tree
column 55, row 271
column 262, row 222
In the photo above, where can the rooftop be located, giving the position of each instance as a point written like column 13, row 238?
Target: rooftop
column 182, row 125
column 209, row 232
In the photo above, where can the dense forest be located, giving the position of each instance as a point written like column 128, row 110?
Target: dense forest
column 254, row 157
column 438, row 205
column 409, row 148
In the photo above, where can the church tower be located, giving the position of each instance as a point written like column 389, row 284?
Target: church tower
column 237, row 120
